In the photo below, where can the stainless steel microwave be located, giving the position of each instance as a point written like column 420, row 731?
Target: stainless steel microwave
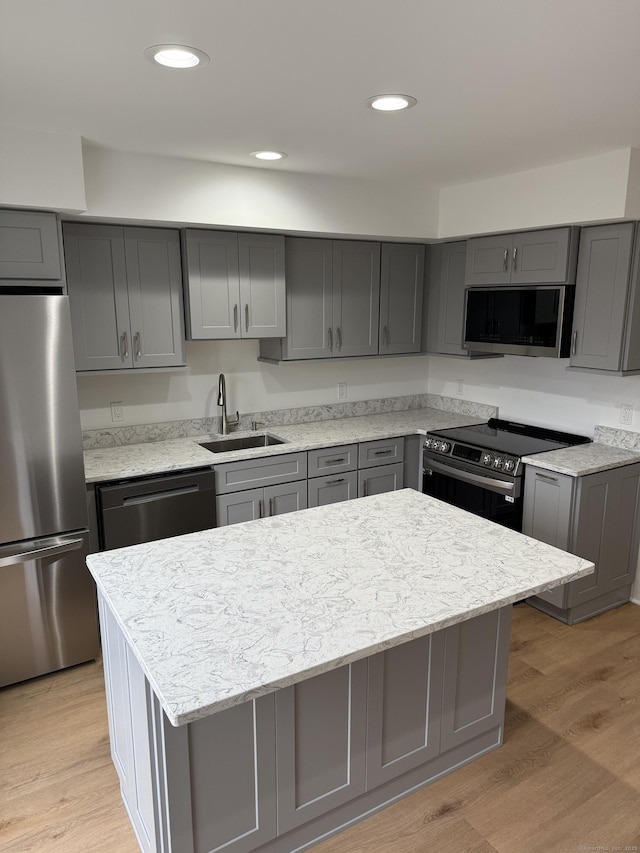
column 530, row 320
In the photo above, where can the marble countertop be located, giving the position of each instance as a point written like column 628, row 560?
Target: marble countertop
column 225, row 615
column 583, row 459
column 157, row 457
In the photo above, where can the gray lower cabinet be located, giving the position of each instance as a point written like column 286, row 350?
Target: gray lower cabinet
column 376, row 481
column 527, row 257
column 321, row 729
column 234, row 285
column 282, row 771
column 333, row 488
column 333, row 300
column 125, row 295
column 30, row 247
column 594, row 517
column 606, row 319
column 261, row 503
column 401, row 297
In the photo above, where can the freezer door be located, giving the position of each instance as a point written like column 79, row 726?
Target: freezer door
column 47, row 607
column 42, row 489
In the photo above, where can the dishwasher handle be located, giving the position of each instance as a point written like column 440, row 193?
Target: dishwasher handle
column 131, row 500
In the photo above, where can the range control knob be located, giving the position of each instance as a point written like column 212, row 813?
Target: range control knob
column 428, row 443
column 497, row 462
column 445, row 447
column 487, row 459
column 509, row 464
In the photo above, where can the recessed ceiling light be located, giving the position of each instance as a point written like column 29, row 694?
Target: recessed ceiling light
column 176, row 55
column 391, row 103
column 268, row 155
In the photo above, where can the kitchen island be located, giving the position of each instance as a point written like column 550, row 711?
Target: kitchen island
column 270, row 682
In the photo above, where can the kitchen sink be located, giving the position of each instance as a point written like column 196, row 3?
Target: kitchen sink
column 223, row 445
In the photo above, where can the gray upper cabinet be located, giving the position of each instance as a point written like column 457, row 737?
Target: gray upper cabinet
column 333, row 300
column 444, row 308
column 125, row 294
column 235, row 285
column 606, row 320
column 401, row 295
column 29, row 246
column 594, row 517
column 529, row 257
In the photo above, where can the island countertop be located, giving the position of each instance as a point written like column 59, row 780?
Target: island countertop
column 219, row 617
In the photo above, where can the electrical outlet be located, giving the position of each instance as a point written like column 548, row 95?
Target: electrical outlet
column 626, row 413
column 342, row 390
column 117, row 412
column 460, row 387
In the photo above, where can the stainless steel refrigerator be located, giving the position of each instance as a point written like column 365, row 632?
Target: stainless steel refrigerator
column 47, row 597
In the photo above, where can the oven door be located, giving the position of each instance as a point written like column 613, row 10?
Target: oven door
column 488, row 495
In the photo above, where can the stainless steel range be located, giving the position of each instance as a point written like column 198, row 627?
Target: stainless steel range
column 479, row 468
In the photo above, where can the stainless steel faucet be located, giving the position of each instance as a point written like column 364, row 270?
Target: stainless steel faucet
column 222, row 401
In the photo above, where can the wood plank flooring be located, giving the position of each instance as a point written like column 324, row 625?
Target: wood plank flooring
column 567, row 778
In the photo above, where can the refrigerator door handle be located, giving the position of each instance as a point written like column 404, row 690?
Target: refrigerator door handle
column 9, row 556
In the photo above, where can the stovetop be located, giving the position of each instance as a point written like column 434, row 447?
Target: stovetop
column 511, row 437
column 496, row 445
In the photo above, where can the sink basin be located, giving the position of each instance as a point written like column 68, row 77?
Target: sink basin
column 223, row 445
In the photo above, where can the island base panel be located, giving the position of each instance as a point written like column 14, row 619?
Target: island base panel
column 273, row 775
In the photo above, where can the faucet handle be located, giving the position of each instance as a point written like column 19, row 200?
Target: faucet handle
column 257, row 424
column 235, row 422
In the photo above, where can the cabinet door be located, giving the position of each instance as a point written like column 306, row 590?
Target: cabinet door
column 155, row 296
column 401, row 294
column 309, row 275
column 98, row 296
column 239, row 506
column 356, row 298
column 404, row 698
column 332, row 489
column 262, row 286
column 541, row 257
column 489, row 260
column 604, row 263
column 320, row 736
column 212, row 285
column 29, row 245
column 605, row 531
column 287, row 497
column 475, row 676
column 376, row 481
column 450, row 315
column 547, row 516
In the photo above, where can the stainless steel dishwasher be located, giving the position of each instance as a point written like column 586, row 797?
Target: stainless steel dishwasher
column 156, row 508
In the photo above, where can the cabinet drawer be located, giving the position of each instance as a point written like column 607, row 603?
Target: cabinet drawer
column 331, row 460
column 264, row 471
column 333, row 488
column 374, row 453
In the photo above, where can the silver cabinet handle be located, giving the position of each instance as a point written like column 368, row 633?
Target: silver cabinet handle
column 124, row 345
column 546, row 477
column 261, row 509
column 505, row 260
column 365, row 483
column 383, row 452
column 385, row 336
column 339, row 337
column 515, row 257
column 574, row 342
column 137, row 344
column 335, row 461
column 24, row 553
column 334, row 482
column 235, row 318
column 330, row 338
column 271, row 507
column 246, row 317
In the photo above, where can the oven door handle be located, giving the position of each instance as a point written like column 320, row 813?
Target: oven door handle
column 503, row 487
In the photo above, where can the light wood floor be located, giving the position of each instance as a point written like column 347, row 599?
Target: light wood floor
column 567, row 778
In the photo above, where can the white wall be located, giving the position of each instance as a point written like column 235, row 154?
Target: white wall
column 169, row 189
column 586, row 190
column 41, row 170
column 252, row 386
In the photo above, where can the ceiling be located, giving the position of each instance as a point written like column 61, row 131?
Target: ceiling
column 502, row 85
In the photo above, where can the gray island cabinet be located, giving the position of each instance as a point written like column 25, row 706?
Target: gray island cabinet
column 269, row 683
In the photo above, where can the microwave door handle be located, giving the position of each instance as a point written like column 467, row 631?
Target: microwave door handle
column 501, row 486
